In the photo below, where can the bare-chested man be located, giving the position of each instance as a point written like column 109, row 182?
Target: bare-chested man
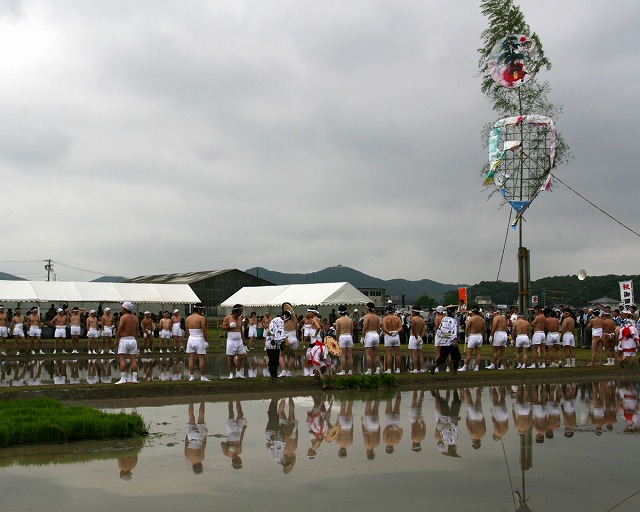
column 371, row 325
column 197, row 341
column 552, row 326
column 500, row 338
column 253, row 330
column 287, row 349
column 35, row 332
column 147, row 327
column 609, row 338
column 127, row 343
column 344, row 333
column 391, row 326
column 106, row 322
column 418, row 331
column 474, row 329
column 59, row 323
column 236, row 348
column 17, row 329
column 75, row 321
column 165, row 331
column 567, row 337
column 176, row 330
column 92, row 331
column 4, row 329
column 538, row 340
column 596, row 325
column 522, row 332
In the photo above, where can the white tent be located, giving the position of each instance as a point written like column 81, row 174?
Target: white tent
column 318, row 294
column 82, row 292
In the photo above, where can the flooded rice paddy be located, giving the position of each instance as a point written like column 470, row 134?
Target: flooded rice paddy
column 537, row 447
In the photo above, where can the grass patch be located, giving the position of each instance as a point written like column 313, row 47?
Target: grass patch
column 47, row 421
column 360, row 382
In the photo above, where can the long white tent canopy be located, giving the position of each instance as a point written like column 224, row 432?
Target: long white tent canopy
column 317, row 294
column 83, row 292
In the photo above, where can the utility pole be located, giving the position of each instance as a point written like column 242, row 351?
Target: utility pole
column 48, row 267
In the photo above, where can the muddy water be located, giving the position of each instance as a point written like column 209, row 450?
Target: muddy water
column 563, row 447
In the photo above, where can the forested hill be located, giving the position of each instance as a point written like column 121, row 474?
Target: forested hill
column 551, row 290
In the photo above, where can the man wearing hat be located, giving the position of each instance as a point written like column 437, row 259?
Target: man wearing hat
column 344, row 333
column 3, row 329
column 92, row 331
column 127, row 343
column 196, row 327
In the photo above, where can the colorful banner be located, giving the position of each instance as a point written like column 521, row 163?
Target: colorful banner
column 462, row 294
column 626, row 293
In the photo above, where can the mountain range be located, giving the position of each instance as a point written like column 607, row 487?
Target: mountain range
column 395, row 288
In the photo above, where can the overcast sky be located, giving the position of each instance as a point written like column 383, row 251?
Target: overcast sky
column 166, row 136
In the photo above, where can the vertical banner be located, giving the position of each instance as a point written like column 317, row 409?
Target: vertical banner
column 626, row 293
column 462, row 294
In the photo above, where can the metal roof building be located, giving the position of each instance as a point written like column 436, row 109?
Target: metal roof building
column 212, row 287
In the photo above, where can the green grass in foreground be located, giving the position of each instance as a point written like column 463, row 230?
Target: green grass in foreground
column 45, row 420
column 360, row 382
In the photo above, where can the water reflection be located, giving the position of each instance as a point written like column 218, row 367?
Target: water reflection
column 540, row 434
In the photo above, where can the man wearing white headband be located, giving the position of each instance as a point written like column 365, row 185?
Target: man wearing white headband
column 176, row 330
column 106, row 320
column 92, row 331
column 196, row 327
column 127, row 343
column 236, row 348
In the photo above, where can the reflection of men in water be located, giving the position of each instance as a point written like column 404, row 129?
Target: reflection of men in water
column 273, row 434
column 316, row 419
column 344, row 439
column 289, row 432
column 126, row 465
column 539, row 409
column 60, row 372
column 521, row 410
column 195, row 440
column 418, row 426
column 371, row 428
column 196, row 327
column 392, row 433
column 569, row 409
column 234, row 430
column 476, row 425
column 499, row 413
column 553, row 410
column 447, row 417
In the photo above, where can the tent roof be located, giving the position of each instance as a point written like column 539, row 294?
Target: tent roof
column 80, row 292
column 318, row 294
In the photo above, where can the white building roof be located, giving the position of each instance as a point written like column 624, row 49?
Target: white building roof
column 318, row 294
column 81, row 292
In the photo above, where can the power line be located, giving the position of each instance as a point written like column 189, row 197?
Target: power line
column 597, row 207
